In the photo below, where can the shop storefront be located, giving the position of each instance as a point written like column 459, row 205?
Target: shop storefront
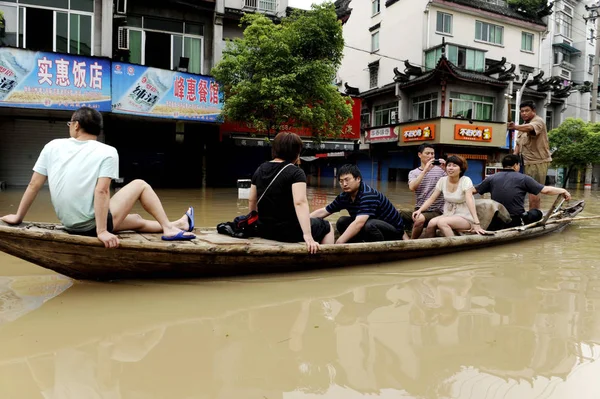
column 246, row 149
column 163, row 123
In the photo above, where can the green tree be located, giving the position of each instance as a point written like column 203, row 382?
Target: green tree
column 575, row 143
column 282, row 74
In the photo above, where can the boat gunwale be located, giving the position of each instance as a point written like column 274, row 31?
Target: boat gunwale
column 246, row 247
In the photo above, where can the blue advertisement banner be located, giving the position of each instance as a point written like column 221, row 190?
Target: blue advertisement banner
column 146, row 91
column 31, row 79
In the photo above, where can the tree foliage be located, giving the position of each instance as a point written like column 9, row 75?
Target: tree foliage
column 282, row 74
column 576, row 143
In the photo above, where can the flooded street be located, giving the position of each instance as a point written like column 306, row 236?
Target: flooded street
column 514, row 321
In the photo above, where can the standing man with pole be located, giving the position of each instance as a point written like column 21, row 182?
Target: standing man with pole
column 532, row 144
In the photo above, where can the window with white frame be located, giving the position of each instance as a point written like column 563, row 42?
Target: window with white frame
column 373, row 75
column 564, row 24
column 444, row 23
column 48, row 25
column 425, row 107
column 375, row 41
column 386, row 114
column 462, row 57
column 590, row 64
column 471, row 106
column 375, row 7
column 526, row 41
column 489, row 32
column 162, row 43
column 262, row 5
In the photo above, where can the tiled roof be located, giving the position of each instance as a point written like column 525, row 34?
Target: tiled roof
column 496, row 9
column 459, row 73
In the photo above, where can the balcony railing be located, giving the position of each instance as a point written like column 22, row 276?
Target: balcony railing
column 261, row 5
column 567, row 65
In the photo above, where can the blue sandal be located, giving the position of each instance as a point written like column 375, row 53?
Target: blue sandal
column 179, row 237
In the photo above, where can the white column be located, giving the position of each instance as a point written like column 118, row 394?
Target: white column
column 218, row 43
column 107, row 28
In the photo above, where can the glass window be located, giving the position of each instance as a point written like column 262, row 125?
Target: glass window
column 135, row 46
column 39, row 29
column 466, row 58
column 62, row 32
column 425, row 107
column 590, row 64
column 8, row 25
column 82, row 5
column 47, row 3
column 489, row 33
column 444, row 22
column 383, row 113
column 375, row 41
column 267, row 5
column 373, row 76
column 432, row 57
column 81, row 34
column 193, row 51
column 177, row 50
column 526, row 41
column 469, row 106
column 375, row 7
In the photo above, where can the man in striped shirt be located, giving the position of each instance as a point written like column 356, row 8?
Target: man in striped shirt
column 422, row 181
column 372, row 216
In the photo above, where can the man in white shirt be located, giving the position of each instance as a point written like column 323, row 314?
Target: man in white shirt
column 79, row 171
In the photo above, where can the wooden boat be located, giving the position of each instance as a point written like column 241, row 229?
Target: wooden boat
column 211, row 254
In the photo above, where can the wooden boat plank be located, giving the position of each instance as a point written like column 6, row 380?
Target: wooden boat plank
column 212, row 254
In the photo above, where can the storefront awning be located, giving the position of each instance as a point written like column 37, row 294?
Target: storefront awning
column 482, row 157
column 567, row 47
column 308, row 144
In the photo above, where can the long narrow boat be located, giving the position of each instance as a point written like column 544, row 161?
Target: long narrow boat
column 211, row 254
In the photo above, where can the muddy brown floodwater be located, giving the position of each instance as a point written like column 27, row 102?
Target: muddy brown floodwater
column 515, row 321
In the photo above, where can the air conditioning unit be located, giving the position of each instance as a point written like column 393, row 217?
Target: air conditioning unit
column 123, row 38
column 121, row 7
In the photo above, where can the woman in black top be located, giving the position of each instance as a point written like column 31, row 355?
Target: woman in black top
column 283, row 210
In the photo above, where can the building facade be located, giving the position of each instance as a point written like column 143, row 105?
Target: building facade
column 145, row 65
column 446, row 72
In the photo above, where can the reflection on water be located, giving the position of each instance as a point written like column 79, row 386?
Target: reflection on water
column 516, row 321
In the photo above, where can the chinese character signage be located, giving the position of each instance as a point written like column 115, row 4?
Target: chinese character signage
column 53, row 81
column 417, row 133
column 155, row 92
column 472, row 133
column 381, row 135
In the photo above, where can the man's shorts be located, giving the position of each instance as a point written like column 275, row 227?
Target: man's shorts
column 92, row 232
column 538, row 171
column 407, row 218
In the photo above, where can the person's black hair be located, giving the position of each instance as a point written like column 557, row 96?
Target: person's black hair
column 510, row 160
column 349, row 169
column 287, row 146
column 90, row 120
column 423, row 146
column 460, row 161
column 527, row 103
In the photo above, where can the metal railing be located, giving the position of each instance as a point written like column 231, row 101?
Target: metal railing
column 261, row 5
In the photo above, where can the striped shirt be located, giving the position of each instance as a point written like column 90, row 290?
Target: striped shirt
column 427, row 187
column 368, row 202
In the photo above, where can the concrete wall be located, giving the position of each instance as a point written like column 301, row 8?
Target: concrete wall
column 463, row 33
column 400, row 37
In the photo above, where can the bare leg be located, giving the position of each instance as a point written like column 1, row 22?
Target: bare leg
column 418, row 227
column 122, row 202
column 534, row 201
column 449, row 223
column 330, row 237
column 432, row 227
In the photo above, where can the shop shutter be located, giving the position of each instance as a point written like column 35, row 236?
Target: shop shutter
column 21, row 141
